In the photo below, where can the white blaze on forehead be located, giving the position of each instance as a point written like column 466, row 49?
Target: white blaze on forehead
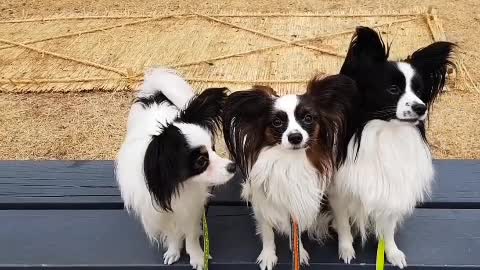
column 404, row 105
column 288, row 104
column 408, row 73
column 196, row 135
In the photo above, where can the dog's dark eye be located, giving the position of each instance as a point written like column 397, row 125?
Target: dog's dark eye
column 277, row 123
column 201, row 162
column 307, row 119
column 394, row 90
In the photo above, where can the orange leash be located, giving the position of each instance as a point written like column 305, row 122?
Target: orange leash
column 295, row 246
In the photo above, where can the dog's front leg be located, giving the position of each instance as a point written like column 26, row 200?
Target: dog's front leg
column 304, row 256
column 192, row 243
column 386, row 230
column 174, row 246
column 267, row 258
column 341, row 223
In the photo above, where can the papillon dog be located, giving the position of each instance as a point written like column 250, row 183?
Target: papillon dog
column 284, row 146
column 386, row 162
column 167, row 162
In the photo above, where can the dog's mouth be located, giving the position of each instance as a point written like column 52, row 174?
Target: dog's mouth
column 296, row 146
column 408, row 120
column 411, row 121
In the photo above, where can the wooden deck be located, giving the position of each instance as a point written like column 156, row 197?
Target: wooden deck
column 68, row 215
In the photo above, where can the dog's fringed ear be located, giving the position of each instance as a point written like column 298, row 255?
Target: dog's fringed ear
column 432, row 63
column 206, row 109
column 267, row 89
column 244, row 119
column 337, row 100
column 366, row 47
column 162, row 166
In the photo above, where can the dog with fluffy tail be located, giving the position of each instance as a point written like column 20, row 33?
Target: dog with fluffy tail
column 167, row 163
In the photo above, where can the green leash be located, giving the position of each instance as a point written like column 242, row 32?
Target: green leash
column 206, row 242
column 381, row 255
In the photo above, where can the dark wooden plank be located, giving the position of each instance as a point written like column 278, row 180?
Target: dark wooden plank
column 91, row 185
column 51, row 184
column 457, row 184
column 72, row 185
column 431, row 239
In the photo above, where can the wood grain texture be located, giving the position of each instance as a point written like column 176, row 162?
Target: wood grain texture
column 110, row 239
column 91, row 185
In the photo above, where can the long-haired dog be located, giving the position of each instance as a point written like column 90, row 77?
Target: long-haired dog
column 167, row 162
column 284, row 146
column 387, row 166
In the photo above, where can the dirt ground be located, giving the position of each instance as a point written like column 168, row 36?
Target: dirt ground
column 59, row 125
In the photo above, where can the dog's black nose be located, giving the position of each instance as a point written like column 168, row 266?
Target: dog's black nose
column 419, row 108
column 295, row 138
column 231, row 167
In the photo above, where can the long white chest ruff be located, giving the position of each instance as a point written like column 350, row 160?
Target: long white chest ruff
column 392, row 172
column 284, row 184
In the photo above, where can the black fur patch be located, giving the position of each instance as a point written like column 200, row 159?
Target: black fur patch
column 164, row 165
column 306, row 115
column 198, row 161
column 246, row 115
column 156, row 98
column 278, row 125
column 206, row 109
column 337, row 99
column 432, row 63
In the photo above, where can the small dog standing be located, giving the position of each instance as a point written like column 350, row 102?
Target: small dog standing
column 167, row 162
column 285, row 148
column 387, row 167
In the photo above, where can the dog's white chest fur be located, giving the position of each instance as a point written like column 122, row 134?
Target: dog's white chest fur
column 392, row 172
column 283, row 184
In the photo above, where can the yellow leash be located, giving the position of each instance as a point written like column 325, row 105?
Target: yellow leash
column 381, row 255
column 206, row 242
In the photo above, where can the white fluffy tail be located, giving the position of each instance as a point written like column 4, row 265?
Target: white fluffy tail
column 174, row 87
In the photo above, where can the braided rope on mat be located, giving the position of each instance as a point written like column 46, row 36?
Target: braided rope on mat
column 65, row 57
column 286, row 44
column 93, row 30
column 315, row 15
column 270, row 36
column 139, row 77
column 129, row 76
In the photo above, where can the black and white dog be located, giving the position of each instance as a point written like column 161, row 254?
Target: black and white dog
column 167, row 162
column 285, row 148
column 387, row 166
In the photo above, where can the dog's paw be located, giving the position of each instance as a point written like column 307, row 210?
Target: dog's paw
column 267, row 259
column 196, row 261
column 170, row 256
column 346, row 252
column 304, row 257
column 396, row 258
